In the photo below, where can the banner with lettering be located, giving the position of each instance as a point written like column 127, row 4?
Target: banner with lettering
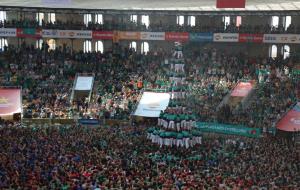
column 153, row 36
column 226, row 37
column 128, row 35
column 201, row 37
column 239, row 130
column 8, row 32
column 103, row 35
column 282, row 38
column 177, row 36
column 251, row 38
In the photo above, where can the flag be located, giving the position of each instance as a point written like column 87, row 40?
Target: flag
column 231, row 3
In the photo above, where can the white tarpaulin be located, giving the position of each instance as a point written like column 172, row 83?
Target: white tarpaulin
column 151, row 104
column 84, row 83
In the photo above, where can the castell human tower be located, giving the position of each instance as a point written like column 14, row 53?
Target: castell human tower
column 176, row 126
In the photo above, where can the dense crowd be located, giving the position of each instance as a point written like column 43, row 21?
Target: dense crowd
column 153, row 27
column 76, row 157
column 122, row 74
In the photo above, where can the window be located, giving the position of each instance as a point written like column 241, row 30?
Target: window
column 275, row 21
column 145, row 20
column 192, row 21
column 133, row 18
column 99, row 19
column 226, row 21
column 145, row 47
column 39, row 43
column 52, row 44
column 3, row 43
column 180, row 20
column 132, row 45
column 39, row 18
column 87, row 46
column 87, row 18
column 99, row 46
column 238, row 21
column 51, row 17
column 287, row 22
column 2, row 16
column 286, row 51
column 273, row 51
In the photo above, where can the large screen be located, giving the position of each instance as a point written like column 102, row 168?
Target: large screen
column 10, row 101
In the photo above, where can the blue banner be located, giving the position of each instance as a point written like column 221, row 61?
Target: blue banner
column 89, row 121
column 201, row 37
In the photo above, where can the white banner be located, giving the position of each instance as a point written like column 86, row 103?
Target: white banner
column 151, row 104
column 84, row 83
column 226, row 37
column 83, row 34
column 8, row 32
column 152, row 36
column 282, row 38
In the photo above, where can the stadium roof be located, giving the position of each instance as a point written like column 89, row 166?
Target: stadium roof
column 179, row 5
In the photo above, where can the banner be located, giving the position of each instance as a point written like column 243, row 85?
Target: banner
column 291, row 121
column 282, row 38
column 231, row 3
column 177, row 36
column 29, row 33
column 84, row 83
column 242, row 89
column 103, row 35
column 239, row 130
column 8, row 32
column 226, row 37
column 201, row 37
column 80, row 34
column 129, row 35
column 152, row 36
column 89, row 121
column 10, row 101
column 251, row 38
column 152, row 103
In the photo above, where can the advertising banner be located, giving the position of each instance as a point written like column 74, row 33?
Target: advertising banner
column 177, row 36
column 252, row 38
column 201, row 37
column 242, row 89
column 84, row 83
column 89, row 121
column 231, row 3
column 152, row 103
column 10, row 101
column 282, row 38
column 103, row 35
column 226, row 37
column 128, row 35
column 291, row 121
column 239, row 130
column 8, row 32
column 29, row 33
column 80, row 34
column 152, row 36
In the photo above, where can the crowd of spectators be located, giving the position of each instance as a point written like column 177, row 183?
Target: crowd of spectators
column 153, row 27
column 122, row 74
column 77, row 157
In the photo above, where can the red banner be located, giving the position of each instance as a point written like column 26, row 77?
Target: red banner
column 29, row 33
column 291, row 121
column 103, row 35
column 252, row 38
column 177, row 36
column 10, row 101
column 231, row 3
column 242, row 89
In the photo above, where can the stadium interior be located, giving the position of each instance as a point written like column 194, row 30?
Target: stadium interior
column 136, row 94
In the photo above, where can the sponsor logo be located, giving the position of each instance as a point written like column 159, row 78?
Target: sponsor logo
column 218, row 37
column 295, row 121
